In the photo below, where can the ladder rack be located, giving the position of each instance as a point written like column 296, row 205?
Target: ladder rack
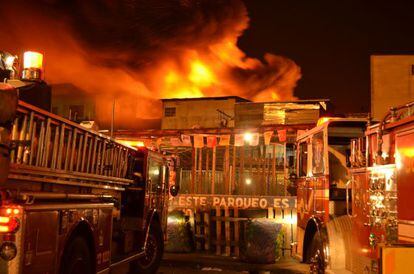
column 48, row 148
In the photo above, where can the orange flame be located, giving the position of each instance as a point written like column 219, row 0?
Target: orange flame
column 216, row 68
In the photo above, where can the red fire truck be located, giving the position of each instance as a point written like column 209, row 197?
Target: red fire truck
column 73, row 200
column 355, row 194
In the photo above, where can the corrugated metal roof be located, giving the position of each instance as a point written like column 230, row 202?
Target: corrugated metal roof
column 237, row 98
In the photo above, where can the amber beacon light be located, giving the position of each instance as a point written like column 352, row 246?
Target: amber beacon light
column 32, row 66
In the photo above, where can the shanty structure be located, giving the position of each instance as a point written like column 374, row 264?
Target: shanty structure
column 228, row 145
column 236, row 158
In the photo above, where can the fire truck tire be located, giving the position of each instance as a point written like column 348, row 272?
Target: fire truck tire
column 316, row 256
column 154, row 249
column 77, row 258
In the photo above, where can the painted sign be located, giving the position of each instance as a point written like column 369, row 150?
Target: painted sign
column 231, row 201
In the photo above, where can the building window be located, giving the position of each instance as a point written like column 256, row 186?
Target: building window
column 169, row 112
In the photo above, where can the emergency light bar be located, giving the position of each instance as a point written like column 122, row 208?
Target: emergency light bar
column 32, row 66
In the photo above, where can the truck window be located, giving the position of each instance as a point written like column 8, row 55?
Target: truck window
column 338, row 151
column 318, row 153
column 303, row 159
column 155, row 175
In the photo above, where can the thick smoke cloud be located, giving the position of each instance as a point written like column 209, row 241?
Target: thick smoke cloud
column 138, row 51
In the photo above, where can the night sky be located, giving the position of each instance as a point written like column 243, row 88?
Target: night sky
column 332, row 42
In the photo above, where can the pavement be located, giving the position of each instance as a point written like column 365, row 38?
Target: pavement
column 191, row 263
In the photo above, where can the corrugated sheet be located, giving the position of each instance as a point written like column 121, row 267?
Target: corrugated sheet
column 257, row 114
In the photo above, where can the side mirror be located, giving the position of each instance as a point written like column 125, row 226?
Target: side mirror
column 174, row 190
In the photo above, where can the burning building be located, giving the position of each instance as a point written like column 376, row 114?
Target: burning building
column 136, row 52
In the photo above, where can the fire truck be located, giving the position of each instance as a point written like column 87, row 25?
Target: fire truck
column 73, row 200
column 355, row 194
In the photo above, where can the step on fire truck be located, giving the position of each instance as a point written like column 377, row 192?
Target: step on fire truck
column 355, row 194
column 73, row 200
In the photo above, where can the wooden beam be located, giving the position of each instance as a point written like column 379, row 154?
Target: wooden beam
column 226, row 170
column 213, row 171
column 200, row 171
column 227, row 231
column 207, row 230
column 233, row 173
column 193, row 168
column 218, row 231
column 274, row 182
column 241, row 170
column 236, row 233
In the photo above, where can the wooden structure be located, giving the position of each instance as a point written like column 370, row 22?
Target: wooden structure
column 220, row 220
column 250, row 157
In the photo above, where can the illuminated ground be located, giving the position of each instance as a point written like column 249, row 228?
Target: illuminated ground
column 210, row 264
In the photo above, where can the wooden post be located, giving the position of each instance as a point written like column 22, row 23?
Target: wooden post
column 207, row 230
column 233, row 173
column 207, row 174
column 200, row 171
column 268, row 177
column 270, row 213
column 198, row 229
column 193, row 168
column 227, row 231
column 262, row 170
column 213, row 171
column 274, row 181
column 241, row 170
column 226, row 163
column 218, row 230
column 236, row 232
column 253, row 186
column 286, row 174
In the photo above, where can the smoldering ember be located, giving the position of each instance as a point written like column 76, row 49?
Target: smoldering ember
column 179, row 136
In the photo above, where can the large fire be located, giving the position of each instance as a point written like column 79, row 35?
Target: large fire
column 138, row 52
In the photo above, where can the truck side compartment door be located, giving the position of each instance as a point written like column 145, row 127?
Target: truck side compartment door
column 40, row 244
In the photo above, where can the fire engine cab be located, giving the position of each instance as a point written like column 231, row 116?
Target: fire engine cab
column 73, row 200
column 355, row 194
column 322, row 174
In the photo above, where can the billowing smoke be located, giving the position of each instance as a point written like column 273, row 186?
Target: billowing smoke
column 136, row 52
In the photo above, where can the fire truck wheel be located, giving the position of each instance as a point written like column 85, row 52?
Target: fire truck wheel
column 153, row 251
column 316, row 256
column 77, row 257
